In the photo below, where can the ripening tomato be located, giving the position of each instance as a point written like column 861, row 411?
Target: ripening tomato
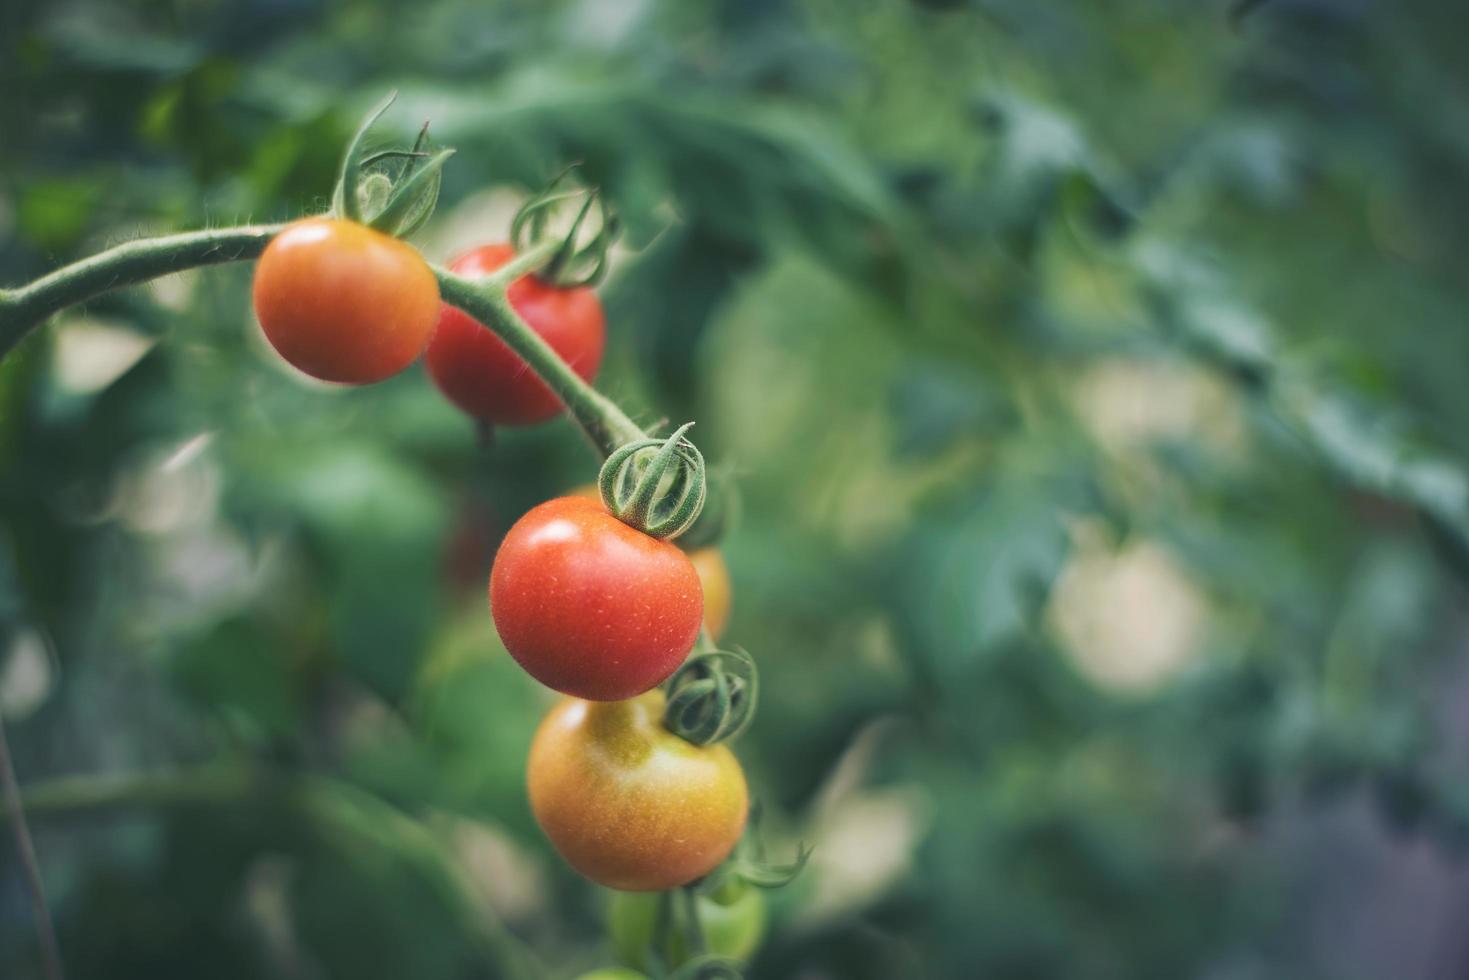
column 591, row 607
column 733, row 928
column 628, row 803
column 713, row 575
column 477, row 372
column 343, row 302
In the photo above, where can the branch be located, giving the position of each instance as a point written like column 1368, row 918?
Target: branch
column 606, row 425
column 24, row 309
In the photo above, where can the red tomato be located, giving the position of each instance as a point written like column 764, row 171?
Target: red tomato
column 591, row 607
column 713, row 574
column 477, row 372
column 628, row 803
column 343, row 302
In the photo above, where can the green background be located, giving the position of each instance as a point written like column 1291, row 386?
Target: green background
column 1092, row 375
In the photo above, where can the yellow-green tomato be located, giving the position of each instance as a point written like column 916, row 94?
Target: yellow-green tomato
column 733, row 929
column 628, row 803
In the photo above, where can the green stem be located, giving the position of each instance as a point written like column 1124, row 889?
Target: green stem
column 531, row 260
column 693, row 927
column 606, row 425
column 662, row 932
column 25, row 308
column 343, row 815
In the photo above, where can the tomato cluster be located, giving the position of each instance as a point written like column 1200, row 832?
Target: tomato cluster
column 590, row 606
column 343, row 302
column 594, row 608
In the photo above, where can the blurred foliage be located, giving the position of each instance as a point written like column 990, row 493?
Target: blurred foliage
column 1092, row 375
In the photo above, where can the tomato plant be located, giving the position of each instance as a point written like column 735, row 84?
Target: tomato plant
column 732, row 926
column 629, row 804
column 343, row 302
column 1082, row 381
column 590, row 606
column 482, row 376
column 631, row 784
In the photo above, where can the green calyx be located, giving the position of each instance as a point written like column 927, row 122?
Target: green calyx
column 581, row 258
column 712, row 697
column 752, row 869
column 748, row 866
column 394, row 191
column 655, row 485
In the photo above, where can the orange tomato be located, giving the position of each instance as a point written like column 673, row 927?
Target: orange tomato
column 342, row 302
column 629, row 804
column 714, row 576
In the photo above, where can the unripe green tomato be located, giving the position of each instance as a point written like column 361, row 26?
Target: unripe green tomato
column 613, row 973
column 733, row 930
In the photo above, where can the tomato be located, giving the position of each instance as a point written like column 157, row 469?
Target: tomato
column 477, row 372
column 713, row 575
column 591, row 607
column 733, row 929
column 343, row 302
column 628, row 803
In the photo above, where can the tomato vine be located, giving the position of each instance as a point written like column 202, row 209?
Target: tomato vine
column 651, row 490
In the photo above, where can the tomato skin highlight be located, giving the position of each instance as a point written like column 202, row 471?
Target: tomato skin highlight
column 486, row 379
column 591, row 607
column 342, row 302
column 629, row 804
